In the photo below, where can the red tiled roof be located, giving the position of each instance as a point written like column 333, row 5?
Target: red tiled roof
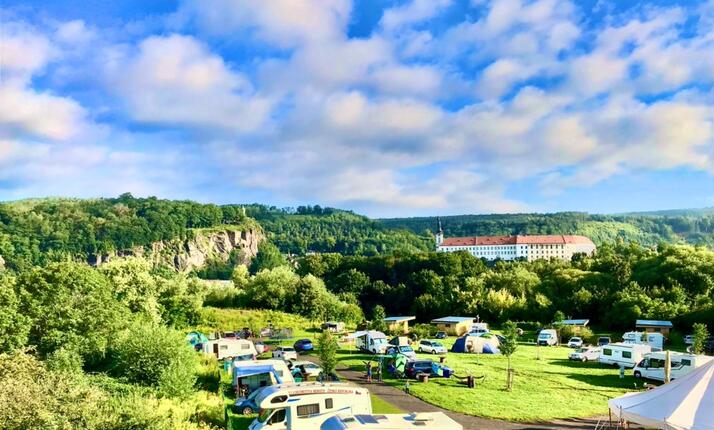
column 516, row 240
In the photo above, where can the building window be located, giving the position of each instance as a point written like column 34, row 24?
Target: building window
column 307, row 410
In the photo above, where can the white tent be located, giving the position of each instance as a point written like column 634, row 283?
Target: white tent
column 684, row 404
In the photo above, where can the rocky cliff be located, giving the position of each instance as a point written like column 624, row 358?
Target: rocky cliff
column 192, row 253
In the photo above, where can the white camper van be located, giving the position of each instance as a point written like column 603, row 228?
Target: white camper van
column 371, row 341
column 236, row 348
column 654, row 340
column 306, row 406
column 479, row 328
column 652, row 366
column 427, row 420
column 623, row 354
column 548, row 337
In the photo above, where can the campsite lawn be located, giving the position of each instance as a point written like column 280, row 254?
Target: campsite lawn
column 545, row 389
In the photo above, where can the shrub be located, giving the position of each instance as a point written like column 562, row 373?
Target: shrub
column 327, row 346
column 156, row 356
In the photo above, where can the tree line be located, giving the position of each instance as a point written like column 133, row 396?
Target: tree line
column 613, row 288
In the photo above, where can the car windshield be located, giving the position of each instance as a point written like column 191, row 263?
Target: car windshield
column 436, row 344
column 575, row 339
column 581, row 350
column 380, row 341
column 406, row 349
column 287, row 348
column 544, row 335
column 264, row 414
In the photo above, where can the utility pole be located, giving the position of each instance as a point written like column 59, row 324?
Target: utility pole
column 667, row 367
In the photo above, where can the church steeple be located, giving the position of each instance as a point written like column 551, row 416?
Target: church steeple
column 439, row 233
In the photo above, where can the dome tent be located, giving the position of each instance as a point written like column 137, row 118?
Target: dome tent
column 484, row 344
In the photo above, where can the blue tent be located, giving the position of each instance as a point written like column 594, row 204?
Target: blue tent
column 490, row 349
column 459, row 345
column 196, row 337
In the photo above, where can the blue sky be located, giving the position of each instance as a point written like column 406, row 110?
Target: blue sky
column 415, row 107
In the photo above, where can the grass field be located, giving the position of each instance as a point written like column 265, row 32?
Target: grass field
column 544, row 389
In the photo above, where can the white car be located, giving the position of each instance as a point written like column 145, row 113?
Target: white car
column 285, row 352
column 260, row 347
column 431, row 347
column 309, row 368
column 405, row 350
column 589, row 353
column 689, row 339
column 575, row 342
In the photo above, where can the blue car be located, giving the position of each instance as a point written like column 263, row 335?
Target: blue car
column 303, row 345
column 246, row 406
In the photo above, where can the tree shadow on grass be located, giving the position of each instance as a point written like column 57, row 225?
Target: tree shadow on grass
column 610, row 381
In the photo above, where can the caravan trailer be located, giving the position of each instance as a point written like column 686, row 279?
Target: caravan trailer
column 652, row 366
column 233, row 347
column 306, row 406
column 623, row 354
column 426, row 420
column 654, row 340
column 260, row 373
column 371, row 341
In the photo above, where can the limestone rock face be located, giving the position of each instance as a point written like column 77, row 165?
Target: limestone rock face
column 189, row 254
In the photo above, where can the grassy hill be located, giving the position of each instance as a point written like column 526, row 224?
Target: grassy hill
column 690, row 226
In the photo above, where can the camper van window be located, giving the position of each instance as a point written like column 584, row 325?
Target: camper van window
column 278, row 416
column 328, row 404
column 626, row 354
column 655, row 363
column 307, row 410
column 607, row 351
column 686, row 362
column 245, row 346
column 224, row 346
column 279, row 399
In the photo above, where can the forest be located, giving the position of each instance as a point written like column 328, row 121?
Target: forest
column 647, row 228
column 619, row 284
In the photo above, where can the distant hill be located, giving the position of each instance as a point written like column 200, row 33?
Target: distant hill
column 695, row 226
column 316, row 229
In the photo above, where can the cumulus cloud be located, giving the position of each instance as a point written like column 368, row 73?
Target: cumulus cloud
column 176, row 80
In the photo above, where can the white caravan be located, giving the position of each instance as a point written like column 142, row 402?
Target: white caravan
column 654, row 340
column 231, row 347
column 260, row 373
column 427, row 420
column 306, row 406
column 623, row 354
column 479, row 328
column 548, row 337
column 371, row 341
column 652, row 366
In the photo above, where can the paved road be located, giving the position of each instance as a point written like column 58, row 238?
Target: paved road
column 410, row 403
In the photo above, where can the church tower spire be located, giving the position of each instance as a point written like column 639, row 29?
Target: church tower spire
column 439, row 233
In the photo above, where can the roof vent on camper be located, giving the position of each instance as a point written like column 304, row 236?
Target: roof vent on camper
column 421, row 416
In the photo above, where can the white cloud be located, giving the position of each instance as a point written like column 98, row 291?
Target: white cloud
column 176, row 80
column 411, row 13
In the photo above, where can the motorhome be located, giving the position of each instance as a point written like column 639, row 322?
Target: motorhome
column 371, row 341
column 251, row 375
column 479, row 328
column 548, row 337
column 428, row 420
column 652, row 366
column 623, row 354
column 306, row 406
column 654, row 340
column 231, row 347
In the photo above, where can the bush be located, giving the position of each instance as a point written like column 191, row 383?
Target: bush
column 423, row 331
column 156, row 356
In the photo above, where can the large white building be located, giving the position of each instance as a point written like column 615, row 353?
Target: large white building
column 526, row 247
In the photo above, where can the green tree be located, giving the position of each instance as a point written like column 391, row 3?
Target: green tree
column 156, row 356
column 508, row 348
column 378, row 316
column 272, row 289
column 14, row 326
column 312, row 300
column 700, row 335
column 268, row 257
column 327, row 348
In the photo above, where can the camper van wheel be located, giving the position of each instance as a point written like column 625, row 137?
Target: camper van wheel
column 247, row 410
column 638, row 374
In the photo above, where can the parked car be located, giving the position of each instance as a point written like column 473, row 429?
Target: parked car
column 405, row 350
column 303, row 345
column 261, row 347
column 689, row 339
column 547, row 337
column 285, row 352
column 440, row 335
column 246, row 406
column 603, row 340
column 588, row 353
column 575, row 342
column 431, row 347
column 306, row 369
column 415, row 367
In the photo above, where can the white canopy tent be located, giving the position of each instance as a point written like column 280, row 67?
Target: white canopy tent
column 684, row 404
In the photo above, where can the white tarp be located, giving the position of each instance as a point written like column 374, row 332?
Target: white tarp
column 684, row 404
